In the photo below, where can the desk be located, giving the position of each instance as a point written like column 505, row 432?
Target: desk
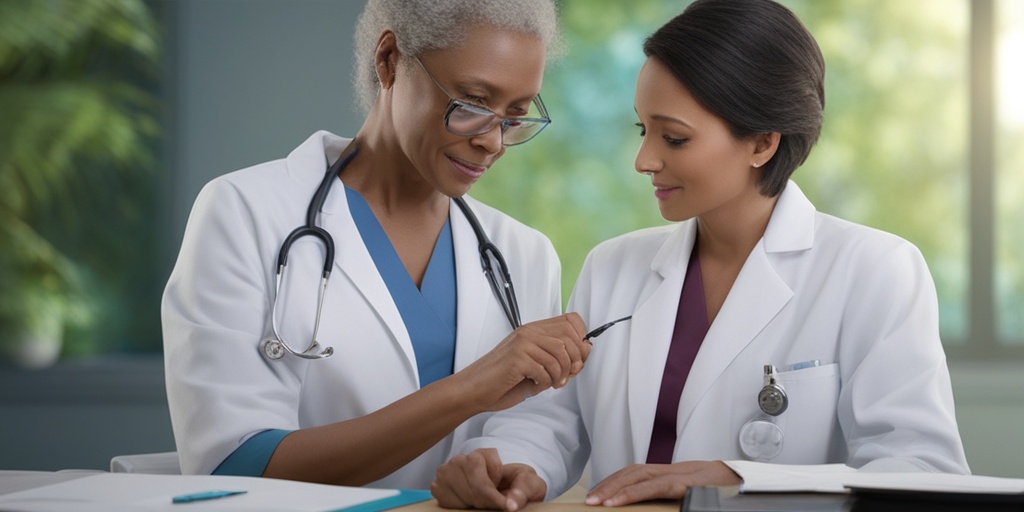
column 660, row 506
column 12, row 481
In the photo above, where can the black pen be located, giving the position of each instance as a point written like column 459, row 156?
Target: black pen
column 597, row 332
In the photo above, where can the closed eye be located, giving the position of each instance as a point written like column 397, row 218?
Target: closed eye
column 674, row 142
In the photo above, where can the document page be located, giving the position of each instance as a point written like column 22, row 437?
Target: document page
column 839, row 478
column 130, row 492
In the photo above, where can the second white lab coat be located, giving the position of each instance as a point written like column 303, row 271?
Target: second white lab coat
column 217, row 303
column 859, row 301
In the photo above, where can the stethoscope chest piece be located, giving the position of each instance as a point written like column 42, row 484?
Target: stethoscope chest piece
column 772, row 398
column 760, row 438
column 272, row 349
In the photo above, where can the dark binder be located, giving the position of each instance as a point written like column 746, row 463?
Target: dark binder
column 715, row 499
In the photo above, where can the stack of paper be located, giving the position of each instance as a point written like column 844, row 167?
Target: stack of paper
column 839, row 478
column 839, row 488
column 111, row 492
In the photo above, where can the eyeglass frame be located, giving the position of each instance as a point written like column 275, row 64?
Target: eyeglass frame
column 504, row 122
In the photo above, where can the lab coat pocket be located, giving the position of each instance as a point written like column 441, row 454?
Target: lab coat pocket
column 809, row 423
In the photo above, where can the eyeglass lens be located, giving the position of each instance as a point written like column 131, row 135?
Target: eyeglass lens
column 467, row 120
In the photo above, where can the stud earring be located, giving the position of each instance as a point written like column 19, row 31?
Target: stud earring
column 757, row 164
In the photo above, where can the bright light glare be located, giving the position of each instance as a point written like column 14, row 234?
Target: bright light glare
column 1011, row 77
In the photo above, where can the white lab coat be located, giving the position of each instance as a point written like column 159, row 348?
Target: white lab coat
column 216, row 309
column 815, row 287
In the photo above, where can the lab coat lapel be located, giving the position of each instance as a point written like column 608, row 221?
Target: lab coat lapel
column 757, row 296
column 651, row 334
column 351, row 257
column 473, row 292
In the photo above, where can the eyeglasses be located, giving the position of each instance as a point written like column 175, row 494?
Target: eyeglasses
column 467, row 120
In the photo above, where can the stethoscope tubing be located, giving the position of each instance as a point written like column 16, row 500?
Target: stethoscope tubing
column 276, row 347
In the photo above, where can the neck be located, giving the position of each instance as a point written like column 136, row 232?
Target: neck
column 730, row 233
column 388, row 181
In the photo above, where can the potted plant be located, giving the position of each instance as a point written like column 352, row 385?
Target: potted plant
column 73, row 120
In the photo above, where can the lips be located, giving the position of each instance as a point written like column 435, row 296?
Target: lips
column 471, row 170
column 663, row 191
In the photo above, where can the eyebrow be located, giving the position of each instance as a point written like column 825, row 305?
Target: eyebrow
column 670, row 119
column 491, row 89
column 666, row 118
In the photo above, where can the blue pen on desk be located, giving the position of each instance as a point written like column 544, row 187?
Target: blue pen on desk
column 205, row 495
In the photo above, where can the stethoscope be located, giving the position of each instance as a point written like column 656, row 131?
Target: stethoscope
column 276, row 347
column 761, row 438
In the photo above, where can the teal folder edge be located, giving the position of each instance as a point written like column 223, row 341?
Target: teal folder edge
column 404, row 497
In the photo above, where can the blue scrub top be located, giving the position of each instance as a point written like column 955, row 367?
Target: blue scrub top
column 429, row 313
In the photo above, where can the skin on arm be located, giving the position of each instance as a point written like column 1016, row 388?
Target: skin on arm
column 355, row 452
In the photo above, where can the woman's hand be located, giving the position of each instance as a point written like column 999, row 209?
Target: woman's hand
column 643, row 482
column 480, row 480
column 538, row 355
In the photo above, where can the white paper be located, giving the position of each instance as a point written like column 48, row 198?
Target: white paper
column 139, row 492
column 765, row 477
column 838, row 478
column 937, row 482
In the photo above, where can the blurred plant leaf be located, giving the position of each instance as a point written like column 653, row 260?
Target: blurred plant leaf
column 78, row 120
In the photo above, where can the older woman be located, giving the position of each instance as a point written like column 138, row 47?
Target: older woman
column 373, row 379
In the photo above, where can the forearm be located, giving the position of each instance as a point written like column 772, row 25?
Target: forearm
column 365, row 449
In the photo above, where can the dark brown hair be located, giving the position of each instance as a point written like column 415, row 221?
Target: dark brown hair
column 753, row 64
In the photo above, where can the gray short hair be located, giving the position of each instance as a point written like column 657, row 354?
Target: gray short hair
column 423, row 25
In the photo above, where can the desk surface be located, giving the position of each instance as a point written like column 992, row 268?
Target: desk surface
column 660, row 506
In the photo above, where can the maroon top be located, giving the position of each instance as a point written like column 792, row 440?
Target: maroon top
column 690, row 329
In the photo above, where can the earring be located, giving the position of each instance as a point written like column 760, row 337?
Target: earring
column 757, row 164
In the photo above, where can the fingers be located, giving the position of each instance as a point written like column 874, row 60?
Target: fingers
column 658, row 487
column 539, row 355
column 643, row 482
column 550, row 351
column 524, row 486
column 611, row 486
column 470, row 481
column 562, row 339
column 480, row 480
column 578, row 351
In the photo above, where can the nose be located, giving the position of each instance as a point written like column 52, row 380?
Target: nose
column 647, row 160
column 490, row 140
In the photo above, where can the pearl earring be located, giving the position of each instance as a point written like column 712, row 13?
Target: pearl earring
column 757, row 164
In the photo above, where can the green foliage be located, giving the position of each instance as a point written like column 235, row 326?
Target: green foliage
column 78, row 124
column 892, row 154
